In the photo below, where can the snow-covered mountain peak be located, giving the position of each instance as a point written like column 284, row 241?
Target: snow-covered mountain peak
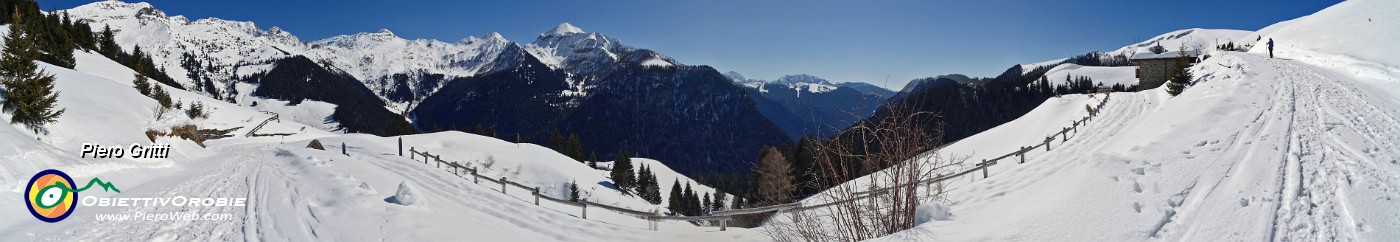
column 563, row 29
column 492, row 38
column 736, row 77
column 569, row 48
column 496, row 36
column 361, row 39
column 385, row 33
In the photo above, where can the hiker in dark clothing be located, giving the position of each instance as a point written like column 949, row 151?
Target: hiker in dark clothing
column 1271, row 47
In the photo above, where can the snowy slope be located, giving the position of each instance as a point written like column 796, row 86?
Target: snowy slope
column 1258, row 149
column 1287, row 149
column 1247, row 152
column 1197, row 39
column 374, row 55
column 1351, row 33
column 232, row 48
column 299, row 194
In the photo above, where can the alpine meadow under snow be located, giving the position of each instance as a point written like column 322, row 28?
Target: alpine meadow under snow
column 1301, row 147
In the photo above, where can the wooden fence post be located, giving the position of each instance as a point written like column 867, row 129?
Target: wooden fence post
column 1022, row 154
column 439, row 161
column 984, row 169
column 1047, row 143
column 475, row 179
column 651, row 220
column 585, row 209
column 412, row 154
column 503, row 185
column 537, row 195
column 1065, row 134
column 723, row 224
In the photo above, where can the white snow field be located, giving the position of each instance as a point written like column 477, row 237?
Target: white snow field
column 1304, row 147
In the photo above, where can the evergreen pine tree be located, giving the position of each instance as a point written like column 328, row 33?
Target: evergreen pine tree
column 28, row 91
column 162, row 97
column 107, row 43
column 593, row 161
column 622, row 174
column 641, row 185
column 706, row 203
column 556, row 141
column 574, row 147
column 655, row 187
column 738, row 203
column 142, row 85
column 573, row 191
column 688, row 200
column 1180, row 76
column 673, row 201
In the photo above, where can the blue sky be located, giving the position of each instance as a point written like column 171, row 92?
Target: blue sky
column 869, row 41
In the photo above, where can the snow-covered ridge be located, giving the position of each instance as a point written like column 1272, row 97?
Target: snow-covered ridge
column 800, row 82
column 234, row 49
column 221, row 44
column 1194, row 39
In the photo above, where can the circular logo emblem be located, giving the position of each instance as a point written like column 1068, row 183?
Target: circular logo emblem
column 50, row 196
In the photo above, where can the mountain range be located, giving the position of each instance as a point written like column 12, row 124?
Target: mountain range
column 567, row 80
column 806, row 105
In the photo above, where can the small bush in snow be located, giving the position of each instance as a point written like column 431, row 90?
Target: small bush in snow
column 488, row 161
column 197, row 110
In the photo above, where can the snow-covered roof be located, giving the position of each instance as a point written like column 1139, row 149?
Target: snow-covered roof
column 1164, row 55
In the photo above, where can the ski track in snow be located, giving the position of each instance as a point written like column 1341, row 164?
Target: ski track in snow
column 1264, row 149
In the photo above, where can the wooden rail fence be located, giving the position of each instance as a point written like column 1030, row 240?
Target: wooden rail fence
column 275, row 116
column 724, row 216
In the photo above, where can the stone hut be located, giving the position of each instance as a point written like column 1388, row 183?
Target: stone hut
column 1155, row 67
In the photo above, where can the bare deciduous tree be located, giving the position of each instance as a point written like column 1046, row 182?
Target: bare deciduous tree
column 775, row 177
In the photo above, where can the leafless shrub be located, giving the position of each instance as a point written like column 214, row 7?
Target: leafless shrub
column 875, row 171
column 160, row 112
column 488, row 162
